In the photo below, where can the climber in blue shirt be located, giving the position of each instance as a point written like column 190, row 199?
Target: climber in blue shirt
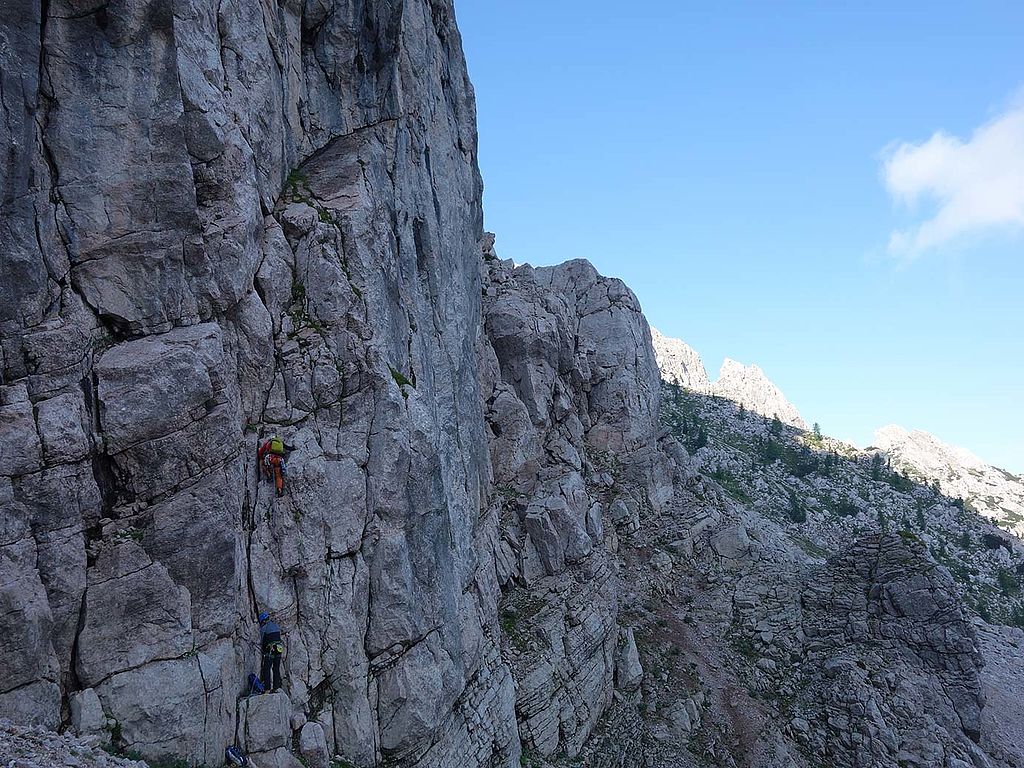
column 272, row 648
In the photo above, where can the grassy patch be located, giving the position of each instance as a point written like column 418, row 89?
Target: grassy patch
column 811, row 548
column 909, row 537
column 731, row 485
column 402, row 380
column 300, row 316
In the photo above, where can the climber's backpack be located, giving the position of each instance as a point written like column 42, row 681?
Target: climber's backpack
column 277, row 446
column 255, row 684
column 234, row 756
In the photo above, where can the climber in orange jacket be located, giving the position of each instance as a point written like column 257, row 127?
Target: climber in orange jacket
column 272, row 460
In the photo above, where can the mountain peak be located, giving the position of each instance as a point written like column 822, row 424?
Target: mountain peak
column 749, row 386
column 679, row 362
column 746, row 384
column 993, row 492
column 924, row 446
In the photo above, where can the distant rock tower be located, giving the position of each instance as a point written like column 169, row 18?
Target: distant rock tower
column 746, row 384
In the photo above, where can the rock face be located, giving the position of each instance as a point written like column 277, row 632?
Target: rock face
column 748, row 386
column 224, row 223
column 572, row 409
column 221, row 222
column 744, row 384
column 1002, row 681
column 993, row 492
column 679, row 363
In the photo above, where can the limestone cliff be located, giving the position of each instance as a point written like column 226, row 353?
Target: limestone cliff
column 748, row 385
column 221, row 221
column 679, row 362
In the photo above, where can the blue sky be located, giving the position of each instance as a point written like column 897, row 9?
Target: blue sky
column 767, row 179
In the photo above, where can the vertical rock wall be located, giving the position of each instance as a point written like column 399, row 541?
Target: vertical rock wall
column 225, row 221
column 572, row 397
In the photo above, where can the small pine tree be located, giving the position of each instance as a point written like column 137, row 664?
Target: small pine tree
column 770, row 451
column 697, row 440
column 984, row 611
column 806, row 462
column 876, row 466
column 797, row 512
column 1008, row 583
column 817, row 431
column 1017, row 619
column 776, row 428
column 743, row 413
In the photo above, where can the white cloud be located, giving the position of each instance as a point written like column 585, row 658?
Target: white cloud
column 977, row 185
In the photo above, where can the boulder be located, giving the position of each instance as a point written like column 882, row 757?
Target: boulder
column 313, row 746
column 160, row 710
column 732, row 543
column 87, row 716
column 275, row 758
column 625, row 514
column 628, row 669
column 264, row 722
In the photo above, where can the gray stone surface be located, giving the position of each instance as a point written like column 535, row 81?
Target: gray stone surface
column 20, row 451
column 628, row 669
column 28, row 747
column 87, row 716
column 129, row 596
column 313, row 745
column 263, row 722
column 216, row 249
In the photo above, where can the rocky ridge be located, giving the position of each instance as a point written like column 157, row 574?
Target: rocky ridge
column 679, row 363
column 991, row 491
column 958, row 473
column 745, row 384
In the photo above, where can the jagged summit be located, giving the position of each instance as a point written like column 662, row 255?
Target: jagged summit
column 679, row 362
column 994, row 492
column 746, row 384
column 749, row 386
